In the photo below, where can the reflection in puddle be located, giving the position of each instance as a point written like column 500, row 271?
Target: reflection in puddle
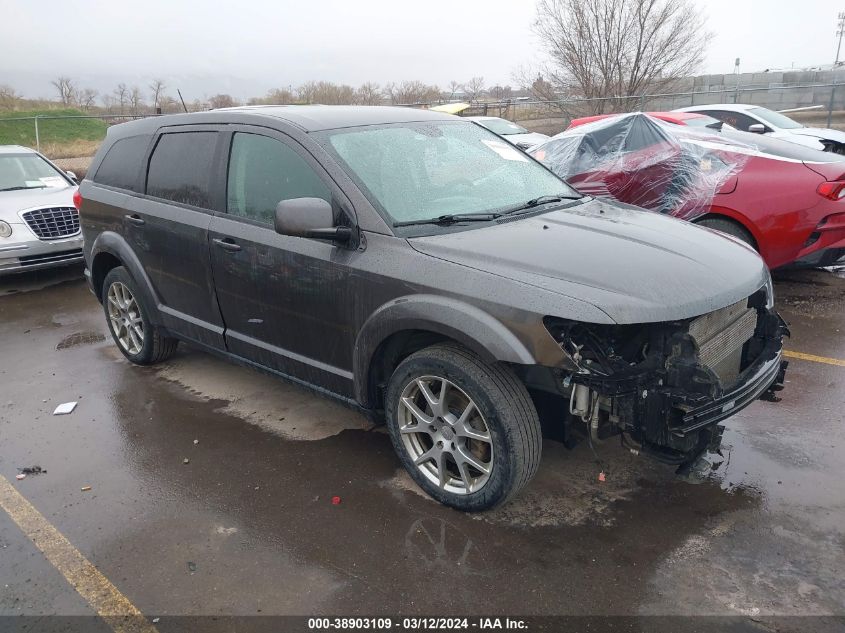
column 437, row 546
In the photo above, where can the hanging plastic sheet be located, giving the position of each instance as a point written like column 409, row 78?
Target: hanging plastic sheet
column 646, row 162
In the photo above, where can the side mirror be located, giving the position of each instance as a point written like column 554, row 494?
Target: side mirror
column 309, row 217
column 757, row 128
column 72, row 176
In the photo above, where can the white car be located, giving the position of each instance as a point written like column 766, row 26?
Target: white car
column 750, row 118
column 39, row 224
column 512, row 132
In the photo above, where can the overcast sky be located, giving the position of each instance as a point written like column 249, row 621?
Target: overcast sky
column 247, row 47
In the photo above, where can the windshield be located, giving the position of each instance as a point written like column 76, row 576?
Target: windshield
column 703, row 121
column 416, row 171
column 775, row 118
column 502, row 127
column 28, row 171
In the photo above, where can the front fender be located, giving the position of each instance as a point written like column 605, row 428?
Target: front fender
column 457, row 320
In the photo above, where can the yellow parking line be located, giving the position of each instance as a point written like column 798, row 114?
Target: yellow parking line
column 111, row 605
column 813, row 358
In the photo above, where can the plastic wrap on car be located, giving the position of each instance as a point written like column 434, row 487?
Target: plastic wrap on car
column 644, row 161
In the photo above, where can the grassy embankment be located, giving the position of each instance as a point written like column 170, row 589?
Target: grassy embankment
column 60, row 138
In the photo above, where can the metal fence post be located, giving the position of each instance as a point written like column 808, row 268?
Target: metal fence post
column 37, row 139
column 830, row 105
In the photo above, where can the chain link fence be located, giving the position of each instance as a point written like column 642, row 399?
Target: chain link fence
column 823, row 100
column 68, row 134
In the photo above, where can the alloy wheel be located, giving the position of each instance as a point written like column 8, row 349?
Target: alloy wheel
column 445, row 435
column 125, row 318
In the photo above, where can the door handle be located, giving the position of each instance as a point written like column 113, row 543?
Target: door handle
column 226, row 244
column 134, row 219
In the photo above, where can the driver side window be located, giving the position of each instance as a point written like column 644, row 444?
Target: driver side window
column 264, row 171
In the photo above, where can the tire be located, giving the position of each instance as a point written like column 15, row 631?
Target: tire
column 731, row 228
column 141, row 342
column 488, row 424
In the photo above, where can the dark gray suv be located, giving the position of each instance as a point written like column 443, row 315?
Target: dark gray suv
column 424, row 270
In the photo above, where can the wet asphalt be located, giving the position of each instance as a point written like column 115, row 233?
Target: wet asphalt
column 248, row 527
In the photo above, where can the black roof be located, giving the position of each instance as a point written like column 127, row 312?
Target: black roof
column 319, row 117
column 309, row 118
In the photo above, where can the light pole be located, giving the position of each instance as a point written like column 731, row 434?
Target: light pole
column 840, row 31
column 736, row 83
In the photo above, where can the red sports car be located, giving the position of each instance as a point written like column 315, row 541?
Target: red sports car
column 785, row 200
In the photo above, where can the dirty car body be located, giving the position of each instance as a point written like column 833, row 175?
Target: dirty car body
column 447, row 248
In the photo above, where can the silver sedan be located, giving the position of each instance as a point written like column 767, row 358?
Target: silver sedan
column 39, row 224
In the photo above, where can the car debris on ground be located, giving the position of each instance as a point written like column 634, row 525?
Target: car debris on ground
column 32, row 470
column 65, row 408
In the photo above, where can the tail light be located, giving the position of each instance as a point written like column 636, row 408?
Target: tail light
column 77, row 199
column 832, row 190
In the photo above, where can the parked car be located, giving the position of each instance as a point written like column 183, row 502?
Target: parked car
column 419, row 268
column 785, row 200
column 39, row 224
column 691, row 119
column 758, row 120
column 512, row 132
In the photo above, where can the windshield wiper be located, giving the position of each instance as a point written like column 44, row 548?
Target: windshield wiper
column 20, row 188
column 536, row 202
column 452, row 218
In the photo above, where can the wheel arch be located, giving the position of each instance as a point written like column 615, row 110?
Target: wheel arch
column 408, row 324
column 111, row 250
column 723, row 213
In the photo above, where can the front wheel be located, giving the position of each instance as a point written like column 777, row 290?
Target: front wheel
column 465, row 430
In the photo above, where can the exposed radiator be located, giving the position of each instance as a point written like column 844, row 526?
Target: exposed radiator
column 720, row 336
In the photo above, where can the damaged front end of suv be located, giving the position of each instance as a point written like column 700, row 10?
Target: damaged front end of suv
column 664, row 387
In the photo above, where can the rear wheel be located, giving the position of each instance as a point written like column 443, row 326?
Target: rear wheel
column 730, row 227
column 466, row 431
column 128, row 320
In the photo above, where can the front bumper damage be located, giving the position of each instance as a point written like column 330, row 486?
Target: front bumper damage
column 665, row 387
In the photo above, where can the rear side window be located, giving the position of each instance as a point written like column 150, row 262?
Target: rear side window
column 121, row 165
column 181, row 166
column 263, row 172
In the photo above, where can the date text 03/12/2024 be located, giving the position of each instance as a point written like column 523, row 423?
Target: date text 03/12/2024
column 416, row 624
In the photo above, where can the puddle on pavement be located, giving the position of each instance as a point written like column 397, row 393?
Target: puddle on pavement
column 287, row 410
column 80, row 338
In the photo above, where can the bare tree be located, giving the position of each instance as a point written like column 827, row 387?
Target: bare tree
column 66, row 89
column 411, row 92
column 276, row 96
column 157, row 87
column 121, row 94
column 619, row 48
column 87, row 98
column 474, row 88
column 9, row 98
column 369, row 94
column 222, row 101
column 326, row 93
column 169, row 104
column 136, row 100
column 454, row 88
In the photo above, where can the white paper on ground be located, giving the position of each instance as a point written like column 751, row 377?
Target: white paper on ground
column 65, row 408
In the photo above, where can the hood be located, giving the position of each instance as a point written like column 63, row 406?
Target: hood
column 820, row 132
column 635, row 266
column 11, row 202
